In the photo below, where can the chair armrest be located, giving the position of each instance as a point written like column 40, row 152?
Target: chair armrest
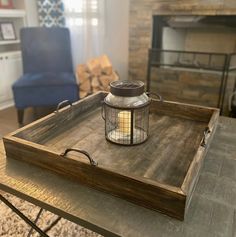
column 230, row 100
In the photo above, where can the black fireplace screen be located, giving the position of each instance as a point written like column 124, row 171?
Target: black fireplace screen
column 200, row 63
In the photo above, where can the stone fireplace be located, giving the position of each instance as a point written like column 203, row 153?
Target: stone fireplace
column 192, row 26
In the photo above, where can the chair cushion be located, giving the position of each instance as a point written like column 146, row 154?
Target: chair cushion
column 46, row 49
column 44, row 89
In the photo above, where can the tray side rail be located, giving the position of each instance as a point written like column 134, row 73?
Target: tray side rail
column 44, row 128
column 150, row 194
column 192, row 176
column 50, row 125
column 182, row 110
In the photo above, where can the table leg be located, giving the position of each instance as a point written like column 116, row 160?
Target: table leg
column 35, row 221
column 48, row 227
column 23, row 217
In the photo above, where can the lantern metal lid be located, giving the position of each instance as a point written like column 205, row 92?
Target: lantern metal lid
column 126, row 113
column 127, row 88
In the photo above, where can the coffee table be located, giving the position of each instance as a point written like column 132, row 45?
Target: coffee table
column 212, row 211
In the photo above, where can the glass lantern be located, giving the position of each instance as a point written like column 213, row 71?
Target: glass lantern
column 126, row 113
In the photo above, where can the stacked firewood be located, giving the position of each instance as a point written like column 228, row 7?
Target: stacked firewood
column 95, row 75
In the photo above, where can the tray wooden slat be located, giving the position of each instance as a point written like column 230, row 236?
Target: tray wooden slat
column 159, row 174
column 147, row 160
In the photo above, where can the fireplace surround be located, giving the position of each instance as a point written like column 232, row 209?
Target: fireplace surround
column 195, row 26
column 190, row 46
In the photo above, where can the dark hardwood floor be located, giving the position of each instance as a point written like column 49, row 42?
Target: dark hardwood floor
column 8, row 118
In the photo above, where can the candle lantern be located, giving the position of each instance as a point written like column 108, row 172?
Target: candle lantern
column 126, row 113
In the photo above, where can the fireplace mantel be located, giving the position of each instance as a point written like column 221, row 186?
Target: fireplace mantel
column 197, row 7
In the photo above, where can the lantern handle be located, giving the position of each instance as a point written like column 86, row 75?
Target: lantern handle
column 92, row 162
column 155, row 94
column 103, row 111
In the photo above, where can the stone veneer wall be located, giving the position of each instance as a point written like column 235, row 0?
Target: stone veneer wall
column 141, row 12
column 140, row 27
column 188, row 86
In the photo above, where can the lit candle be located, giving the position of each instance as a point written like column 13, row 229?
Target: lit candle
column 124, row 122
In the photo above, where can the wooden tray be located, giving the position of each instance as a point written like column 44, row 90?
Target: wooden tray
column 159, row 174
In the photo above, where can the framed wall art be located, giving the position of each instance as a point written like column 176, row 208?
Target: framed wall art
column 8, row 4
column 7, row 31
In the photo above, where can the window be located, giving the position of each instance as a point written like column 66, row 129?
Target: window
column 85, row 19
column 82, row 12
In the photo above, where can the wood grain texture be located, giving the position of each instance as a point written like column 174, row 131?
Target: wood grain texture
column 52, row 124
column 164, row 198
column 150, row 174
column 111, row 216
column 182, row 110
column 147, row 160
column 192, row 175
column 197, row 160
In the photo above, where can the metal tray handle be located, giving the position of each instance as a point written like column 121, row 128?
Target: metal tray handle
column 206, row 133
column 92, row 162
column 62, row 104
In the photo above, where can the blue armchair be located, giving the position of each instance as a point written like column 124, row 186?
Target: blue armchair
column 48, row 72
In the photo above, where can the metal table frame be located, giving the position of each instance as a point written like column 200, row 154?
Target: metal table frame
column 28, row 221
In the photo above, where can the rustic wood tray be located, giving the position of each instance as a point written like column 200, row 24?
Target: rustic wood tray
column 159, row 174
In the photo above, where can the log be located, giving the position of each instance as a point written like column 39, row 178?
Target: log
column 114, row 76
column 82, row 73
column 96, row 89
column 95, row 76
column 105, row 65
column 83, row 77
column 95, row 82
column 94, row 67
column 81, row 68
column 83, row 94
column 85, row 86
column 105, row 81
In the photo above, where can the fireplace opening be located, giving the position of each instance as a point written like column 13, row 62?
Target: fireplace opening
column 194, row 58
column 212, row 34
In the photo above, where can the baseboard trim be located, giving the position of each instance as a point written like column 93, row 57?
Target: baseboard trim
column 6, row 104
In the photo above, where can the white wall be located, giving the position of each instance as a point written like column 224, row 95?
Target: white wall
column 31, row 12
column 117, row 35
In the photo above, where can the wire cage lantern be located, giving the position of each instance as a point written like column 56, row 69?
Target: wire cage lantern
column 126, row 113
